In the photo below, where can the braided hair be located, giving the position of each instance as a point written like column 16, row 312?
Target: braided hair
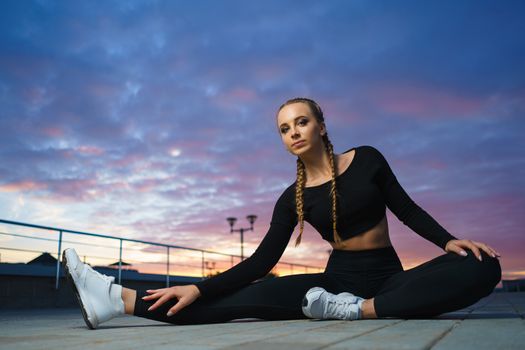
column 301, row 174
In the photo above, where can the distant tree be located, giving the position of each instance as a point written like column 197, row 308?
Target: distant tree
column 214, row 273
column 270, row 275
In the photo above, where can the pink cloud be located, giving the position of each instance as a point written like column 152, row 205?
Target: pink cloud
column 243, row 94
column 424, row 101
column 90, row 150
column 100, row 89
column 150, row 185
column 24, row 66
column 52, row 131
column 435, row 164
column 22, row 186
column 126, row 160
column 73, row 188
column 269, row 72
column 341, row 109
column 34, row 95
column 115, row 186
column 234, row 97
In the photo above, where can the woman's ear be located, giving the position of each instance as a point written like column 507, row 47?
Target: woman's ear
column 322, row 126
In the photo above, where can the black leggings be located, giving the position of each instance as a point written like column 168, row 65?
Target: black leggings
column 446, row 283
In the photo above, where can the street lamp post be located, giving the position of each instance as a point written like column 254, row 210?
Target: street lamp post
column 251, row 220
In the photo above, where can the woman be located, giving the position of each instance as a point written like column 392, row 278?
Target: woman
column 344, row 196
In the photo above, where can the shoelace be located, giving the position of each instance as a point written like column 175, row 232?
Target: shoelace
column 339, row 307
column 107, row 279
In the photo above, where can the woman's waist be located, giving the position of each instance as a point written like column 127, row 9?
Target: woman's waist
column 365, row 237
column 367, row 259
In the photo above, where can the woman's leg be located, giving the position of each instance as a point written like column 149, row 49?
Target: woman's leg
column 368, row 309
column 446, row 283
column 277, row 298
column 128, row 297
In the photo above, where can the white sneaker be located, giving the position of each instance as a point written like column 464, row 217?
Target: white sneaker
column 318, row 303
column 99, row 297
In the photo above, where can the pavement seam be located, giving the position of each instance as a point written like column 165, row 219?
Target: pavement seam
column 332, row 324
column 444, row 334
column 359, row 335
column 521, row 314
column 269, row 325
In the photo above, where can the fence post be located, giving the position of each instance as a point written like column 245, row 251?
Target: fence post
column 120, row 263
column 202, row 264
column 58, row 259
column 168, row 269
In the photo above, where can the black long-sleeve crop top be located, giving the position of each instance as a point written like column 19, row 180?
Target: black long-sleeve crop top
column 364, row 191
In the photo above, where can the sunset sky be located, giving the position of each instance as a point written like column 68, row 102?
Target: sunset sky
column 155, row 120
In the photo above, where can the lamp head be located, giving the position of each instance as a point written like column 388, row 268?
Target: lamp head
column 251, row 219
column 231, row 220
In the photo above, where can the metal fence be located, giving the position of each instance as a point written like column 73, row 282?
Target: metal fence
column 62, row 232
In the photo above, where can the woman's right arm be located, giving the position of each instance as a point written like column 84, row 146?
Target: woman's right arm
column 263, row 259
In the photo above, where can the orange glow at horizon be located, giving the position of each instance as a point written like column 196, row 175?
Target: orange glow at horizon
column 194, row 268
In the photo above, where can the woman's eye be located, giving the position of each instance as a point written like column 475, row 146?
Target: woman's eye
column 303, row 122
column 284, row 130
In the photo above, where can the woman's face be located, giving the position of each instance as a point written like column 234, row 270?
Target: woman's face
column 296, row 122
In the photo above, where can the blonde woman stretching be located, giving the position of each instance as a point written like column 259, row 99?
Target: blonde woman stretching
column 344, row 197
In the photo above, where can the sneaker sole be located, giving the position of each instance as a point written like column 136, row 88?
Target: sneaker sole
column 73, row 285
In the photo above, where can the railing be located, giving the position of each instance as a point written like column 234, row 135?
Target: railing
column 62, row 231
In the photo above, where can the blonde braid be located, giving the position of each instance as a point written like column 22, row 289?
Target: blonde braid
column 333, row 192
column 299, row 189
column 301, row 174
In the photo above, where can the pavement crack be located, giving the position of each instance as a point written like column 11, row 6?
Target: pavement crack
column 444, row 334
column 359, row 335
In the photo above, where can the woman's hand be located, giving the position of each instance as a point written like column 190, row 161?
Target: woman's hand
column 457, row 245
column 185, row 294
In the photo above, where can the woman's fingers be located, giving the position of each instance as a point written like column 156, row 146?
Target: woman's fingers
column 159, row 302
column 457, row 246
column 176, row 308
column 491, row 251
column 465, row 243
column 156, row 290
column 185, row 295
column 163, row 294
column 476, row 246
column 151, row 296
column 487, row 249
column 474, row 249
column 155, row 295
column 494, row 252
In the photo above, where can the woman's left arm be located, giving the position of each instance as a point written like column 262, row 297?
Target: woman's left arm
column 413, row 216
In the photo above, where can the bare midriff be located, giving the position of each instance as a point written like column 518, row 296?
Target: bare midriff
column 376, row 237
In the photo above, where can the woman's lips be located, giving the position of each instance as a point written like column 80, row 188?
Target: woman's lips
column 298, row 144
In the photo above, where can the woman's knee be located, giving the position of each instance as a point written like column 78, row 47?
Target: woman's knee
column 485, row 273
